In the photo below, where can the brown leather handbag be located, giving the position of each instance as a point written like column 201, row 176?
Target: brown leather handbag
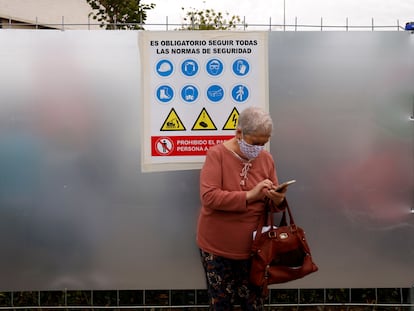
column 279, row 254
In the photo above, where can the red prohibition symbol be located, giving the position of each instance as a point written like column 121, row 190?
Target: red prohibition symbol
column 164, row 146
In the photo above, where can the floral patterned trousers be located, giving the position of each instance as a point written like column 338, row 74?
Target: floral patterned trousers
column 228, row 284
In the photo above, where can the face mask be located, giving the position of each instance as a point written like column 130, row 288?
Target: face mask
column 250, row 151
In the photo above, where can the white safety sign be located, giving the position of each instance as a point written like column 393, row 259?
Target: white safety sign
column 195, row 84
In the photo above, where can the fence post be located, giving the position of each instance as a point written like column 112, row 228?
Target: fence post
column 412, row 298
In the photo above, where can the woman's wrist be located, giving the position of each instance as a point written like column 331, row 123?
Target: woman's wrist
column 251, row 196
column 248, row 196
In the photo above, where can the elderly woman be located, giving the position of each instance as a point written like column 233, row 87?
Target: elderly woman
column 235, row 179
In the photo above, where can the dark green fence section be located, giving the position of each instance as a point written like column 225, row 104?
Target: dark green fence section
column 279, row 299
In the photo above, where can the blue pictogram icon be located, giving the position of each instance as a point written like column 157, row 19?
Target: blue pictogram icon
column 165, row 93
column 189, row 67
column 215, row 93
column 164, row 68
column 240, row 93
column 241, row 67
column 214, row 67
column 189, row 93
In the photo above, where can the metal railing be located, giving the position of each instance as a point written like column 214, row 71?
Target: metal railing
column 393, row 299
column 243, row 26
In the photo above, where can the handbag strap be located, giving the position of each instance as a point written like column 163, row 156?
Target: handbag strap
column 267, row 218
column 283, row 221
column 271, row 209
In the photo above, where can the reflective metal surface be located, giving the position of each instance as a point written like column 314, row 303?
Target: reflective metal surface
column 342, row 103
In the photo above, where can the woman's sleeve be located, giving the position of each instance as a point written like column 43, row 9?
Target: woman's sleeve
column 273, row 173
column 281, row 207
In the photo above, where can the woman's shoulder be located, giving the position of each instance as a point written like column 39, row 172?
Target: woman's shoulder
column 216, row 149
column 266, row 156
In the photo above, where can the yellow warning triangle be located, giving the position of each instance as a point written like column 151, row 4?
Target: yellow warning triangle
column 203, row 122
column 231, row 122
column 172, row 122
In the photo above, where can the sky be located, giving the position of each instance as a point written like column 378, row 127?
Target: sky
column 304, row 12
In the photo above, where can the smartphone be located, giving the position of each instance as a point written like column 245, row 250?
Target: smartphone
column 283, row 185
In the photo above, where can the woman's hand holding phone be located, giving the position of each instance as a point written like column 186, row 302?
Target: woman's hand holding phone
column 277, row 194
column 283, row 187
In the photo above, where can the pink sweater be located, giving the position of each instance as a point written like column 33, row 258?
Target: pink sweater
column 226, row 221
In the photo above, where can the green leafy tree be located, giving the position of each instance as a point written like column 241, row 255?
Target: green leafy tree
column 120, row 14
column 209, row 19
